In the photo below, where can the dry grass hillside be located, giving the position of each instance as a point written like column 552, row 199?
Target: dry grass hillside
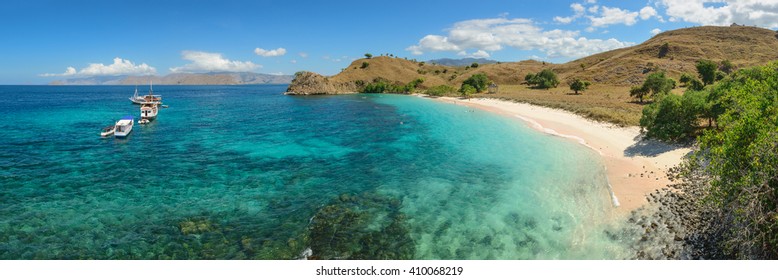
column 742, row 45
column 612, row 72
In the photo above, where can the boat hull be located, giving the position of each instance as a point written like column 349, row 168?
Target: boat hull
column 123, row 128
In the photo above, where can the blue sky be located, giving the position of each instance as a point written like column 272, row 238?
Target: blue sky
column 51, row 40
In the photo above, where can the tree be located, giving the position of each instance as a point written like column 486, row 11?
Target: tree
column 742, row 164
column 658, row 83
column 478, row 81
column 545, row 79
column 368, row 55
column 668, row 119
column 474, row 65
column 579, row 85
column 691, row 82
column 707, row 71
column 467, row 90
column 639, row 92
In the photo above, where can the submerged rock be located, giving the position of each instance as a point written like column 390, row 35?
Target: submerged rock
column 195, row 226
column 360, row 227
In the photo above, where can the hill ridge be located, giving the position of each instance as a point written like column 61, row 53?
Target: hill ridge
column 744, row 46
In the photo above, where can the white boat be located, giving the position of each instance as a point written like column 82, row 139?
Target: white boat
column 143, row 121
column 107, row 131
column 148, row 98
column 148, row 111
column 124, row 127
column 135, row 98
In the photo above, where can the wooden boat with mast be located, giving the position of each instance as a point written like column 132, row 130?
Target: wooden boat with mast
column 148, row 98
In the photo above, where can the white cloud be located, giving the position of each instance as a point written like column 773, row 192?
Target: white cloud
column 333, row 59
column 433, row 43
column 476, row 54
column 656, row 31
column 119, row 67
column 591, row 1
column 564, row 20
column 647, row 12
column 579, row 11
column 493, row 34
column 593, row 9
column 209, row 62
column 577, row 8
column 762, row 13
column 610, row 16
column 293, row 61
column 303, row 55
column 535, row 57
column 269, row 53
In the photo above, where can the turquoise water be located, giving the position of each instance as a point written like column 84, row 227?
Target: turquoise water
column 244, row 172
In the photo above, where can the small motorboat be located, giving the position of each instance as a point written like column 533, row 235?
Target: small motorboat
column 124, row 127
column 144, row 121
column 148, row 111
column 107, row 131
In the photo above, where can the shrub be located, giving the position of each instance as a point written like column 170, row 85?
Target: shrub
column 478, row 81
column 467, row 90
column 365, row 65
column 664, row 49
column 545, row 79
column 691, row 82
column 440, row 90
column 474, row 65
column 368, row 55
column 726, row 66
column 720, row 75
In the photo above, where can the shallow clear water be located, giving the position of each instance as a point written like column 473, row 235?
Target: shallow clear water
column 242, row 172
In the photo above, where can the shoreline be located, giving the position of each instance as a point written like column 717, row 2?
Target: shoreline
column 635, row 167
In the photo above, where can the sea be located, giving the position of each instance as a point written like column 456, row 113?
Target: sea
column 246, row 172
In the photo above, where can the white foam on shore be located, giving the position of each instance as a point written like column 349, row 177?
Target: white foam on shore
column 538, row 126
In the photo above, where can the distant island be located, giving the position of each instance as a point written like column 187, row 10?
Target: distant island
column 213, row 78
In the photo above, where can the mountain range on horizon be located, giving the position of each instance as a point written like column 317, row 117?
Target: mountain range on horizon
column 213, row 78
column 462, row 61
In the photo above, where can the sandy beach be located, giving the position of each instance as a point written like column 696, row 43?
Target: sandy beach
column 635, row 167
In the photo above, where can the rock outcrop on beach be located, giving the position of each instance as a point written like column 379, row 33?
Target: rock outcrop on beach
column 309, row 83
column 675, row 225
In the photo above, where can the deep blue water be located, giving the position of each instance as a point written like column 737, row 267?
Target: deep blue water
column 244, row 172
